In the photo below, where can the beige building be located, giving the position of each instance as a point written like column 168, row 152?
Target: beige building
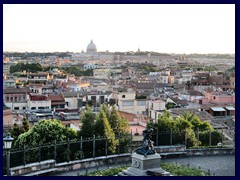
column 127, row 102
column 7, row 118
column 105, row 73
column 155, row 107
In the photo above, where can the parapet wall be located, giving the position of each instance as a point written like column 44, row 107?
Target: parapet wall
column 93, row 162
column 210, row 151
column 50, row 165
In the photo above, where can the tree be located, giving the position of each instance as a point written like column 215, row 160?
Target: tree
column 114, row 119
column 170, row 105
column 46, row 131
column 106, row 110
column 16, row 131
column 163, row 127
column 70, row 133
column 204, row 137
column 205, row 126
column 87, row 120
column 103, row 128
column 188, row 135
column 19, row 67
column 25, row 124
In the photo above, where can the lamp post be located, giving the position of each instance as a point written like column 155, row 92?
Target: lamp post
column 7, row 145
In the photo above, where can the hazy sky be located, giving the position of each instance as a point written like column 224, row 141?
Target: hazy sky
column 161, row 28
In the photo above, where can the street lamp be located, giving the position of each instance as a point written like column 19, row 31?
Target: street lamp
column 7, row 145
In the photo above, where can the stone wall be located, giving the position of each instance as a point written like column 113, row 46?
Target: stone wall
column 93, row 162
column 50, row 165
column 210, row 151
column 164, row 149
column 33, row 167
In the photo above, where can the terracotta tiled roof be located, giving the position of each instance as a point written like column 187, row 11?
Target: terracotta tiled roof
column 15, row 90
column 56, row 98
column 37, row 97
column 129, row 116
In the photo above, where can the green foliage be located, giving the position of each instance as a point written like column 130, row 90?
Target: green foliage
column 204, row 137
column 77, row 71
column 19, row 67
column 174, row 169
column 87, row 120
column 103, row 128
column 170, row 105
column 184, row 129
column 106, row 172
column 181, row 124
column 25, row 124
column 181, row 170
column 70, row 133
column 46, row 131
column 107, row 112
column 150, row 69
column 16, row 131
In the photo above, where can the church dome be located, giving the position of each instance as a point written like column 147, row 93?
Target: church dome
column 91, row 48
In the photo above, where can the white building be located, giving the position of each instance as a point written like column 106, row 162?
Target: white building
column 38, row 102
column 127, row 102
column 155, row 107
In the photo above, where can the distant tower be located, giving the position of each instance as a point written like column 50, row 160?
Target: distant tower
column 139, row 49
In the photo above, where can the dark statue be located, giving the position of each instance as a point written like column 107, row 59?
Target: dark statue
column 147, row 146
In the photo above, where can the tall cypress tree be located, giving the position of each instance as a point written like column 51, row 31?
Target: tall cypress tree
column 118, row 124
column 87, row 120
column 103, row 128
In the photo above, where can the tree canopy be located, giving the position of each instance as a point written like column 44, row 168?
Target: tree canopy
column 46, row 131
column 19, row 67
column 184, row 129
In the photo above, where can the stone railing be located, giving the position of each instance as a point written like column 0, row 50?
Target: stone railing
column 49, row 166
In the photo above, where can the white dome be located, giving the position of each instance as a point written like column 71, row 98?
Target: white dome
column 91, row 48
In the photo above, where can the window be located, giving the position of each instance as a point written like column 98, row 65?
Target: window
column 23, row 108
column 93, row 98
column 141, row 103
column 7, row 99
column 46, row 107
column 40, row 107
column 123, row 96
column 127, row 103
column 214, row 97
column 16, row 108
column 11, row 99
column 33, row 107
column 15, row 99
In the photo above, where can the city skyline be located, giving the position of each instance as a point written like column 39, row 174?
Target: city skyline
column 161, row 28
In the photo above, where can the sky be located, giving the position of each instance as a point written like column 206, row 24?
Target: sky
column 164, row 28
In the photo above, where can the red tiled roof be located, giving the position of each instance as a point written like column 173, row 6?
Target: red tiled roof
column 128, row 116
column 37, row 97
column 56, row 98
column 15, row 90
